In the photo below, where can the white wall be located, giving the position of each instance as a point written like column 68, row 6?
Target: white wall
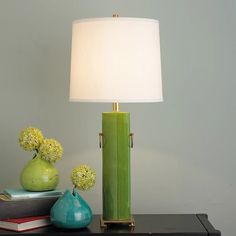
column 184, row 158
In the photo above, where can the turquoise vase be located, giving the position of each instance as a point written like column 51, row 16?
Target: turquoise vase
column 71, row 211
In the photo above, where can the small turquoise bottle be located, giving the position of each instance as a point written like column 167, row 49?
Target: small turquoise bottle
column 71, row 211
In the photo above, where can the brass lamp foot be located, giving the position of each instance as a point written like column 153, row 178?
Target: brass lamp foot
column 129, row 222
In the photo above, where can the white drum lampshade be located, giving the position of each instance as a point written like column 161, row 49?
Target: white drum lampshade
column 115, row 60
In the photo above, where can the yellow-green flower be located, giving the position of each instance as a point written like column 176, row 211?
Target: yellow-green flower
column 83, row 177
column 30, row 138
column 50, row 150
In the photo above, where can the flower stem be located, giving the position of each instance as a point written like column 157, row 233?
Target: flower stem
column 73, row 191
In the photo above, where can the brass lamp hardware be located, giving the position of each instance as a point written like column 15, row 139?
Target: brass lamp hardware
column 129, row 222
column 115, row 15
column 131, row 140
column 115, row 107
column 100, row 140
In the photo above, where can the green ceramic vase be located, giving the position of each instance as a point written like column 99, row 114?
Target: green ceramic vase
column 39, row 175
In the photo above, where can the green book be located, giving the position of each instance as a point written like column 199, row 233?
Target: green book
column 15, row 194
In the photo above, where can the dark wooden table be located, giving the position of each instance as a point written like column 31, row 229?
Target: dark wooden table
column 156, row 224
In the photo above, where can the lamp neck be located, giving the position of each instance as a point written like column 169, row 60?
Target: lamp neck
column 115, row 107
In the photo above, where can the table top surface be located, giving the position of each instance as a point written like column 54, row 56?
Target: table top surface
column 157, row 224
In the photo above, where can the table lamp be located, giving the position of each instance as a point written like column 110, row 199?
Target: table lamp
column 116, row 60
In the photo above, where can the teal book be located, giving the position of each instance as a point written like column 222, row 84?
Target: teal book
column 17, row 194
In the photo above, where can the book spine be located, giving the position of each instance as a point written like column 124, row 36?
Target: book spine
column 26, row 208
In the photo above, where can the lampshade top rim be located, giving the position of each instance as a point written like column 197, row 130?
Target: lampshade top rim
column 114, row 19
column 117, row 100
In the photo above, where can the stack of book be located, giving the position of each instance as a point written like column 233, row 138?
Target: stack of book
column 22, row 210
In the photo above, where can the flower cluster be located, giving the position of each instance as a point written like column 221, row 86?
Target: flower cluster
column 83, row 177
column 51, row 150
column 31, row 139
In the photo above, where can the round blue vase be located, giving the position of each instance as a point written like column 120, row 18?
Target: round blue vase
column 71, row 211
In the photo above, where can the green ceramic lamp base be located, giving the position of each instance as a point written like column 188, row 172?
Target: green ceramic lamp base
column 116, row 166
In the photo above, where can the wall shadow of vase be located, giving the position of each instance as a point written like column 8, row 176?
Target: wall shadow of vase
column 39, row 175
column 71, row 211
